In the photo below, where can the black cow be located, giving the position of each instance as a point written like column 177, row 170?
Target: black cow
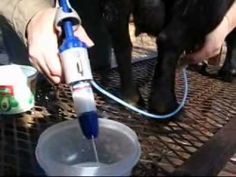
column 179, row 25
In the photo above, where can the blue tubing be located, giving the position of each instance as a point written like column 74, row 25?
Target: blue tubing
column 142, row 112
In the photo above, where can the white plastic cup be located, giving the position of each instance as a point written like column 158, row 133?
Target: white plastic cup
column 62, row 150
column 17, row 88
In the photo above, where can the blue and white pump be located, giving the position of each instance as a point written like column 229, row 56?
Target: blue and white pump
column 77, row 70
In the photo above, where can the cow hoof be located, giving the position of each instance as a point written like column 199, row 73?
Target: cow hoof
column 133, row 98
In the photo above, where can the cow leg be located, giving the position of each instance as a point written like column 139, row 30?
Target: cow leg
column 162, row 98
column 116, row 15
column 171, row 43
column 228, row 70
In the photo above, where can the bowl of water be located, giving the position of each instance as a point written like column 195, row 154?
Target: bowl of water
column 62, row 150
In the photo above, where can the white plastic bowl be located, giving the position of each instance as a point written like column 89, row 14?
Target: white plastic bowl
column 62, row 150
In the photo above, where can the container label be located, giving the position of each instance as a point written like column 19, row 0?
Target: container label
column 7, row 99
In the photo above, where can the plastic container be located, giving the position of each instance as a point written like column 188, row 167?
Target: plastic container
column 62, row 150
column 17, row 88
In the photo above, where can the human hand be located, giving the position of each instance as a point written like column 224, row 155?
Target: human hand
column 42, row 41
column 212, row 45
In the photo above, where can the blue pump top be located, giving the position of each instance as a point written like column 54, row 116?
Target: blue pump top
column 70, row 40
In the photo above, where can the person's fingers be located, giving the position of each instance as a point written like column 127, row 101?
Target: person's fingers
column 42, row 67
column 48, row 65
column 204, row 53
column 53, row 63
column 35, row 65
column 197, row 57
column 45, row 70
column 193, row 58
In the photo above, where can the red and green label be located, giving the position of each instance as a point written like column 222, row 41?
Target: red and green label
column 7, row 99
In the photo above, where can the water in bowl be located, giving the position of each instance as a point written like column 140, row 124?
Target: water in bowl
column 95, row 149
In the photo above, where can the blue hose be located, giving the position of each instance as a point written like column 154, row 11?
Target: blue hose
column 142, row 112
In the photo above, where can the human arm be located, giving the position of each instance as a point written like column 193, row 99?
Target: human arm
column 215, row 40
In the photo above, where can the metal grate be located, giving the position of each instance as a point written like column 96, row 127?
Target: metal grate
column 165, row 145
